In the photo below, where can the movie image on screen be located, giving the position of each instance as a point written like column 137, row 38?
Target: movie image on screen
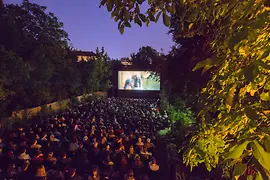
column 138, row 80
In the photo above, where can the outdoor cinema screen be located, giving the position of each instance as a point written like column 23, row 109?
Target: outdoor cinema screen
column 138, row 80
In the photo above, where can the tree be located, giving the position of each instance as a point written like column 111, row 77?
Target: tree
column 237, row 33
column 15, row 73
column 96, row 74
column 35, row 65
column 104, row 72
column 146, row 56
column 181, row 81
column 39, row 39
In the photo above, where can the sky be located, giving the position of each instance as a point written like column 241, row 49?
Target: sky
column 89, row 27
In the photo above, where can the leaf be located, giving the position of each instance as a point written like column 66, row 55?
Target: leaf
column 122, row 27
column 266, row 143
column 151, row 16
column 265, row 96
column 102, row 3
column 257, row 23
column 190, row 25
column 250, row 72
column 267, row 86
column 109, row 5
column 259, row 176
column 252, row 92
column 230, row 97
column 206, row 68
column 143, row 17
column 168, row 8
column 147, row 22
column 251, row 114
column 127, row 24
column 252, row 35
column 239, row 169
column 264, row 65
column 166, row 19
column 137, row 9
column 201, row 64
column 114, row 13
column 238, row 37
column 249, row 6
column 236, row 151
column 137, row 20
column 158, row 15
column 261, row 155
column 121, row 14
column 126, row 15
column 250, row 177
column 265, row 54
column 208, row 167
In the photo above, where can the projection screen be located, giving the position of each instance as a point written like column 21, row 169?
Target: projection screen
column 138, row 80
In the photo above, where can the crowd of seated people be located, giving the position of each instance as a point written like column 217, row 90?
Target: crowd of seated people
column 112, row 138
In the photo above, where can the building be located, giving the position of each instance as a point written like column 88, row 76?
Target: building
column 84, row 55
column 126, row 61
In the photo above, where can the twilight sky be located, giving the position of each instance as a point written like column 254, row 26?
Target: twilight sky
column 89, row 27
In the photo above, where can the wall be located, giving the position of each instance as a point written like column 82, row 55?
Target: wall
column 55, row 107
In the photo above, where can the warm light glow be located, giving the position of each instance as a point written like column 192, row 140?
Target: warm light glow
column 85, row 58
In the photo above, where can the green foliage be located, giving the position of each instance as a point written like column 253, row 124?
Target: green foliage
column 261, row 155
column 239, row 169
column 239, row 99
column 164, row 132
column 182, row 125
column 236, row 151
column 179, row 112
column 235, row 102
column 147, row 56
column 125, row 12
column 37, row 66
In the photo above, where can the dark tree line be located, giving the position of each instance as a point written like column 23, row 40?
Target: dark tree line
column 36, row 63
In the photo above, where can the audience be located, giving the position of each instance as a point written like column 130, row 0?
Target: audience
column 112, row 138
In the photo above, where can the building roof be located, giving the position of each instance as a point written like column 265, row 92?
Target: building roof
column 84, row 53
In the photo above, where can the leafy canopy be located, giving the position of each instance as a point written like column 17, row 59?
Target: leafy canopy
column 237, row 33
column 125, row 12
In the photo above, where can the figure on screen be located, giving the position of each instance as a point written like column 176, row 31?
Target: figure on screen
column 134, row 82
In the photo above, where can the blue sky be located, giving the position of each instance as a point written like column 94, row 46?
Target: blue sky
column 89, row 27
